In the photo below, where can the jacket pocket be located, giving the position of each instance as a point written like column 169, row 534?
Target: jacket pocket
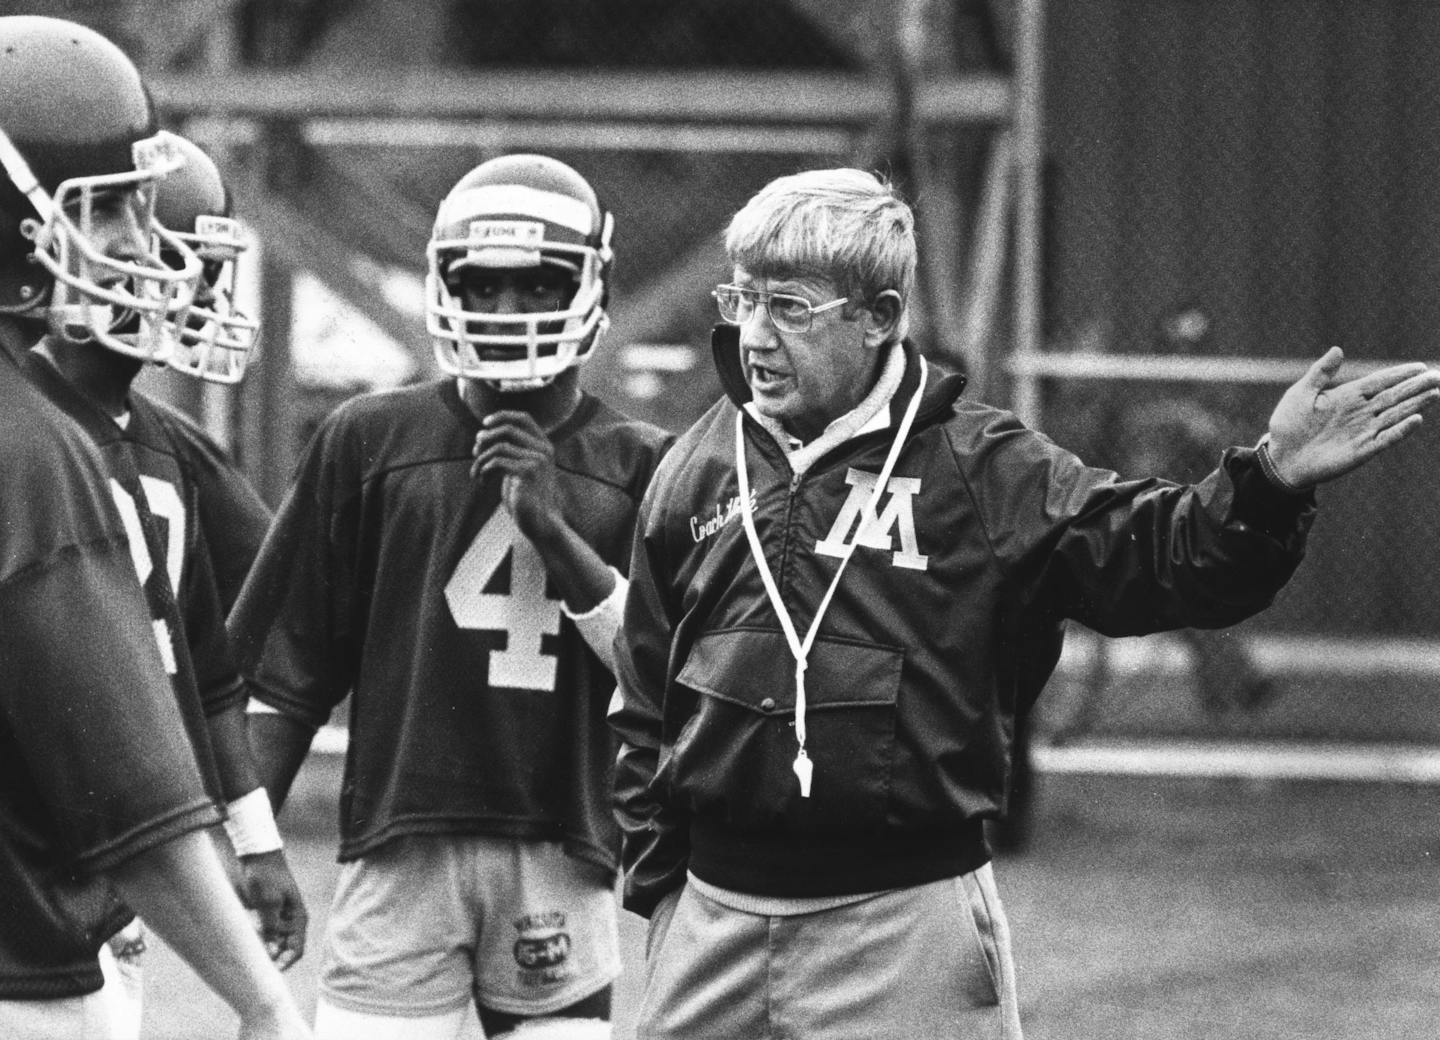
column 733, row 758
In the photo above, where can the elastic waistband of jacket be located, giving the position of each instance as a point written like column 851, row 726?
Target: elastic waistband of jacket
column 791, row 865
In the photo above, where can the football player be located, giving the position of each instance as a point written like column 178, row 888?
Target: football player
column 232, row 515
column 214, row 337
column 151, row 459
column 212, row 341
column 101, row 784
column 449, row 558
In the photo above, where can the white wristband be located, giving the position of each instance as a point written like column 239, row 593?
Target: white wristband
column 598, row 625
column 250, row 824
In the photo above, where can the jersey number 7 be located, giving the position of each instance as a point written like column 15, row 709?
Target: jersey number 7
column 525, row 614
column 164, row 502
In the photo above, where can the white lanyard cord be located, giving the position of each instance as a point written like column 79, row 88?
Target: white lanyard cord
column 802, row 766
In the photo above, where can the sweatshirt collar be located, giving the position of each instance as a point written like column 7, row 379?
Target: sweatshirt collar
column 940, row 396
column 869, row 415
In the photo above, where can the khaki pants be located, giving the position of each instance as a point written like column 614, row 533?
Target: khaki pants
column 931, row 962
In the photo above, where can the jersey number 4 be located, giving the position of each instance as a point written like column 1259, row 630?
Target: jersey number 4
column 525, row 614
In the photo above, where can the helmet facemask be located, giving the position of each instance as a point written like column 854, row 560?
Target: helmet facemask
column 533, row 347
column 214, row 340
column 517, row 214
column 121, row 303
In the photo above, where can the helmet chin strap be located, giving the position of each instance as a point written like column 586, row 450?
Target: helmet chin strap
column 520, row 386
column 23, row 177
column 28, row 185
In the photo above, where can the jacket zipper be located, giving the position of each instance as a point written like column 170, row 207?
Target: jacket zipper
column 788, row 528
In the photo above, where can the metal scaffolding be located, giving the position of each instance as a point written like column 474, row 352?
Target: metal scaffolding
column 982, row 238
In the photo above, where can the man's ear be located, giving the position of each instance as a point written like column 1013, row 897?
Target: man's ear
column 882, row 317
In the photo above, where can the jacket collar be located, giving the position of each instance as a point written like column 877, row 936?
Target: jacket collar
column 940, row 395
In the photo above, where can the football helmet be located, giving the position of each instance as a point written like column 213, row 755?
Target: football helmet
column 214, row 340
column 77, row 129
column 516, row 212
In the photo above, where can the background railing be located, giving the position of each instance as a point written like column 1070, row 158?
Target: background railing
column 1139, row 220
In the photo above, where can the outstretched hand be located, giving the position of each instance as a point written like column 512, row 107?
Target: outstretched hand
column 1324, row 427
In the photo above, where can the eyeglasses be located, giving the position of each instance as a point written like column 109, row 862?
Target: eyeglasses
column 788, row 313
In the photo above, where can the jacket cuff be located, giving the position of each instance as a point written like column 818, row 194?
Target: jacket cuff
column 1262, row 500
column 1272, row 474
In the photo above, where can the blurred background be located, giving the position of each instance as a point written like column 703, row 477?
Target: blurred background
column 1139, row 221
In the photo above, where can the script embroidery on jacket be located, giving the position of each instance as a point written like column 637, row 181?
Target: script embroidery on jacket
column 702, row 529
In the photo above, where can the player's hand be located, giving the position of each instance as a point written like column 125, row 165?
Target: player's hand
column 269, row 889
column 512, row 446
column 1324, row 427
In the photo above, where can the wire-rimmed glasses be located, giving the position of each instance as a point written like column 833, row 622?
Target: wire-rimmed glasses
column 788, row 313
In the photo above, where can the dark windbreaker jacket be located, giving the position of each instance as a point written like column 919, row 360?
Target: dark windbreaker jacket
column 946, row 622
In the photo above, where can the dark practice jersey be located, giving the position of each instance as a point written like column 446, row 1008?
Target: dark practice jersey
column 157, row 498
column 477, row 707
column 95, row 764
column 233, row 517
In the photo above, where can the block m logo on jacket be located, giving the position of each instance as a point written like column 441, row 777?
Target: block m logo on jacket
column 877, row 531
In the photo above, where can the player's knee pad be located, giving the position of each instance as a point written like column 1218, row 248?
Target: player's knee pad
column 337, row 1023
column 552, row 1028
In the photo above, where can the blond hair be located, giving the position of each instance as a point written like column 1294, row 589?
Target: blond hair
column 845, row 225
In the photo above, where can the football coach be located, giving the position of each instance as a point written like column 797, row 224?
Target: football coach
column 818, row 690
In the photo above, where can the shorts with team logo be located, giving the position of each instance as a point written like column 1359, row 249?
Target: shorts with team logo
column 424, row 924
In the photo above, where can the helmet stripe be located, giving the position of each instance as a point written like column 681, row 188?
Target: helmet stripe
column 518, row 201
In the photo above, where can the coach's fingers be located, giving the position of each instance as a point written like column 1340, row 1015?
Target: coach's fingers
column 1414, row 375
column 1322, row 375
column 1407, row 411
column 1418, row 391
column 1392, row 435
